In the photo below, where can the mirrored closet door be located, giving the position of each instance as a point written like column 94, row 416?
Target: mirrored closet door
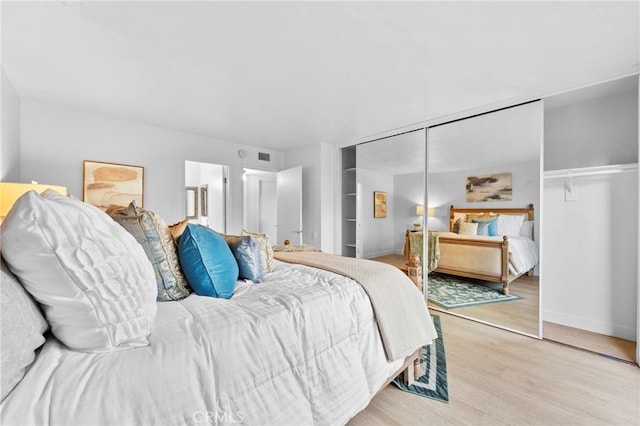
column 483, row 198
column 383, row 198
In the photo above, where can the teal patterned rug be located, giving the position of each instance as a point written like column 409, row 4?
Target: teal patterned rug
column 451, row 292
column 432, row 382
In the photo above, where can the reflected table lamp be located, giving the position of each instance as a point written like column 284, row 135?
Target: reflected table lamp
column 419, row 212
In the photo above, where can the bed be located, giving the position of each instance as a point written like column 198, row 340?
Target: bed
column 496, row 258
column 303, row 346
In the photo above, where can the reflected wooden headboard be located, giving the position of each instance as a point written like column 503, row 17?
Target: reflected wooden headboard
column 528, row 211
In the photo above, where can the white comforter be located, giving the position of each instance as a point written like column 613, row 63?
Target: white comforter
column 523, row 253
column 301, row 348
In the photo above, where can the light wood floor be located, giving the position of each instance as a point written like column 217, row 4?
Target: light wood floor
column 599, row 343
column 520, row 315
column 496, row 377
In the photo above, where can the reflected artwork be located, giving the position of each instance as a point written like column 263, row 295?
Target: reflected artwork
column 494, row 187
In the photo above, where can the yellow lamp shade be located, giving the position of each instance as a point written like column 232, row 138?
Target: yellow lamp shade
column 419, row 210
column 10, row 192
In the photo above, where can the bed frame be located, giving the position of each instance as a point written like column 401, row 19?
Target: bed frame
column 480, row 253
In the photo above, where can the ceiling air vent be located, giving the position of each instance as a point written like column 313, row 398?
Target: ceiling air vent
column 264, row 156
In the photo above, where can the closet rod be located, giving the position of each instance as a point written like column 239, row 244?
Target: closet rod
column 591, row 171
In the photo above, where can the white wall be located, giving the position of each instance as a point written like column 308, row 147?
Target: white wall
column 375, row 232
column 590, row 254
column 590, row 248
column 408, row 190
column 10, row 143
column 56, row 140
column 598, row 132
column 319, row 167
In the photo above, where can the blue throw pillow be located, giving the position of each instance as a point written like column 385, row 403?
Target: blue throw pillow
column 207, row 262
column 487, row 227
column 247, row 252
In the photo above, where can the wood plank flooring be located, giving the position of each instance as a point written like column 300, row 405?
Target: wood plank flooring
column 520, row 315
column 501, row 378
column 599, row 343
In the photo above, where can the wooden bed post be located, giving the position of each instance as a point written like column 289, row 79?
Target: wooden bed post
column 451, row 216
column 505, row 265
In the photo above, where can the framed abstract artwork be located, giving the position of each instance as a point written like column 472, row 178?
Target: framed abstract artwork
column 495, row 187
column 106, row 184
column 379, row 204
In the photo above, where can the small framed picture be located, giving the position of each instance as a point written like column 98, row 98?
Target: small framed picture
column 379, row 204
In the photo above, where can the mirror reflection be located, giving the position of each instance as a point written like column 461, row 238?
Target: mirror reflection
column 390, row 187
column 483, row 187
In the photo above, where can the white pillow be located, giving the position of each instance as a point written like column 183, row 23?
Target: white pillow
column 23, row 328
column 93, row 280
column 526, row 230
column 509, row 224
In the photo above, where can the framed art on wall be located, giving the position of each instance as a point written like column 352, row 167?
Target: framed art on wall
column 494, row 187
column 379, row 204
column 106, row 184
column 191, row 200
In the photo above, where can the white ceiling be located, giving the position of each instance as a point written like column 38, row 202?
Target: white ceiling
column 395, row 155
column 285, row 74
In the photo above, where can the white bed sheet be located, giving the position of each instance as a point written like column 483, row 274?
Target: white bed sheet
column 301, row 348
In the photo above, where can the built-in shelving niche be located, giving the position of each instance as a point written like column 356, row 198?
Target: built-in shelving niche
column 349, row 203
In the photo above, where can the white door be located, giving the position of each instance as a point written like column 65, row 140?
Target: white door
column 289, row 184
column 268, row 208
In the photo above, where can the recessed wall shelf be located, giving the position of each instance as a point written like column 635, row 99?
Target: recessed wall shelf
column 349, row 202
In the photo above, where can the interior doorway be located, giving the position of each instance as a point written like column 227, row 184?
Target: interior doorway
column 206, row 194
column 260, row 202
column 271, row 199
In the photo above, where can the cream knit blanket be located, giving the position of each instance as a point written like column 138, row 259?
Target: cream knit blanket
column 400, row 309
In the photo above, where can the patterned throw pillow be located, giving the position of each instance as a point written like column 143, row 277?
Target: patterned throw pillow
column 266, row 251
column 153, row 235
column 177, row 229
column 467, row 228
column 294, row 247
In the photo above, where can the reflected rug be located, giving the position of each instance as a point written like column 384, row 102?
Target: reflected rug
column 432, row 381
column 451, row 292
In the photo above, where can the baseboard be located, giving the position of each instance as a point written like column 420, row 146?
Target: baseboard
column 589, row 324
column 380, row 253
